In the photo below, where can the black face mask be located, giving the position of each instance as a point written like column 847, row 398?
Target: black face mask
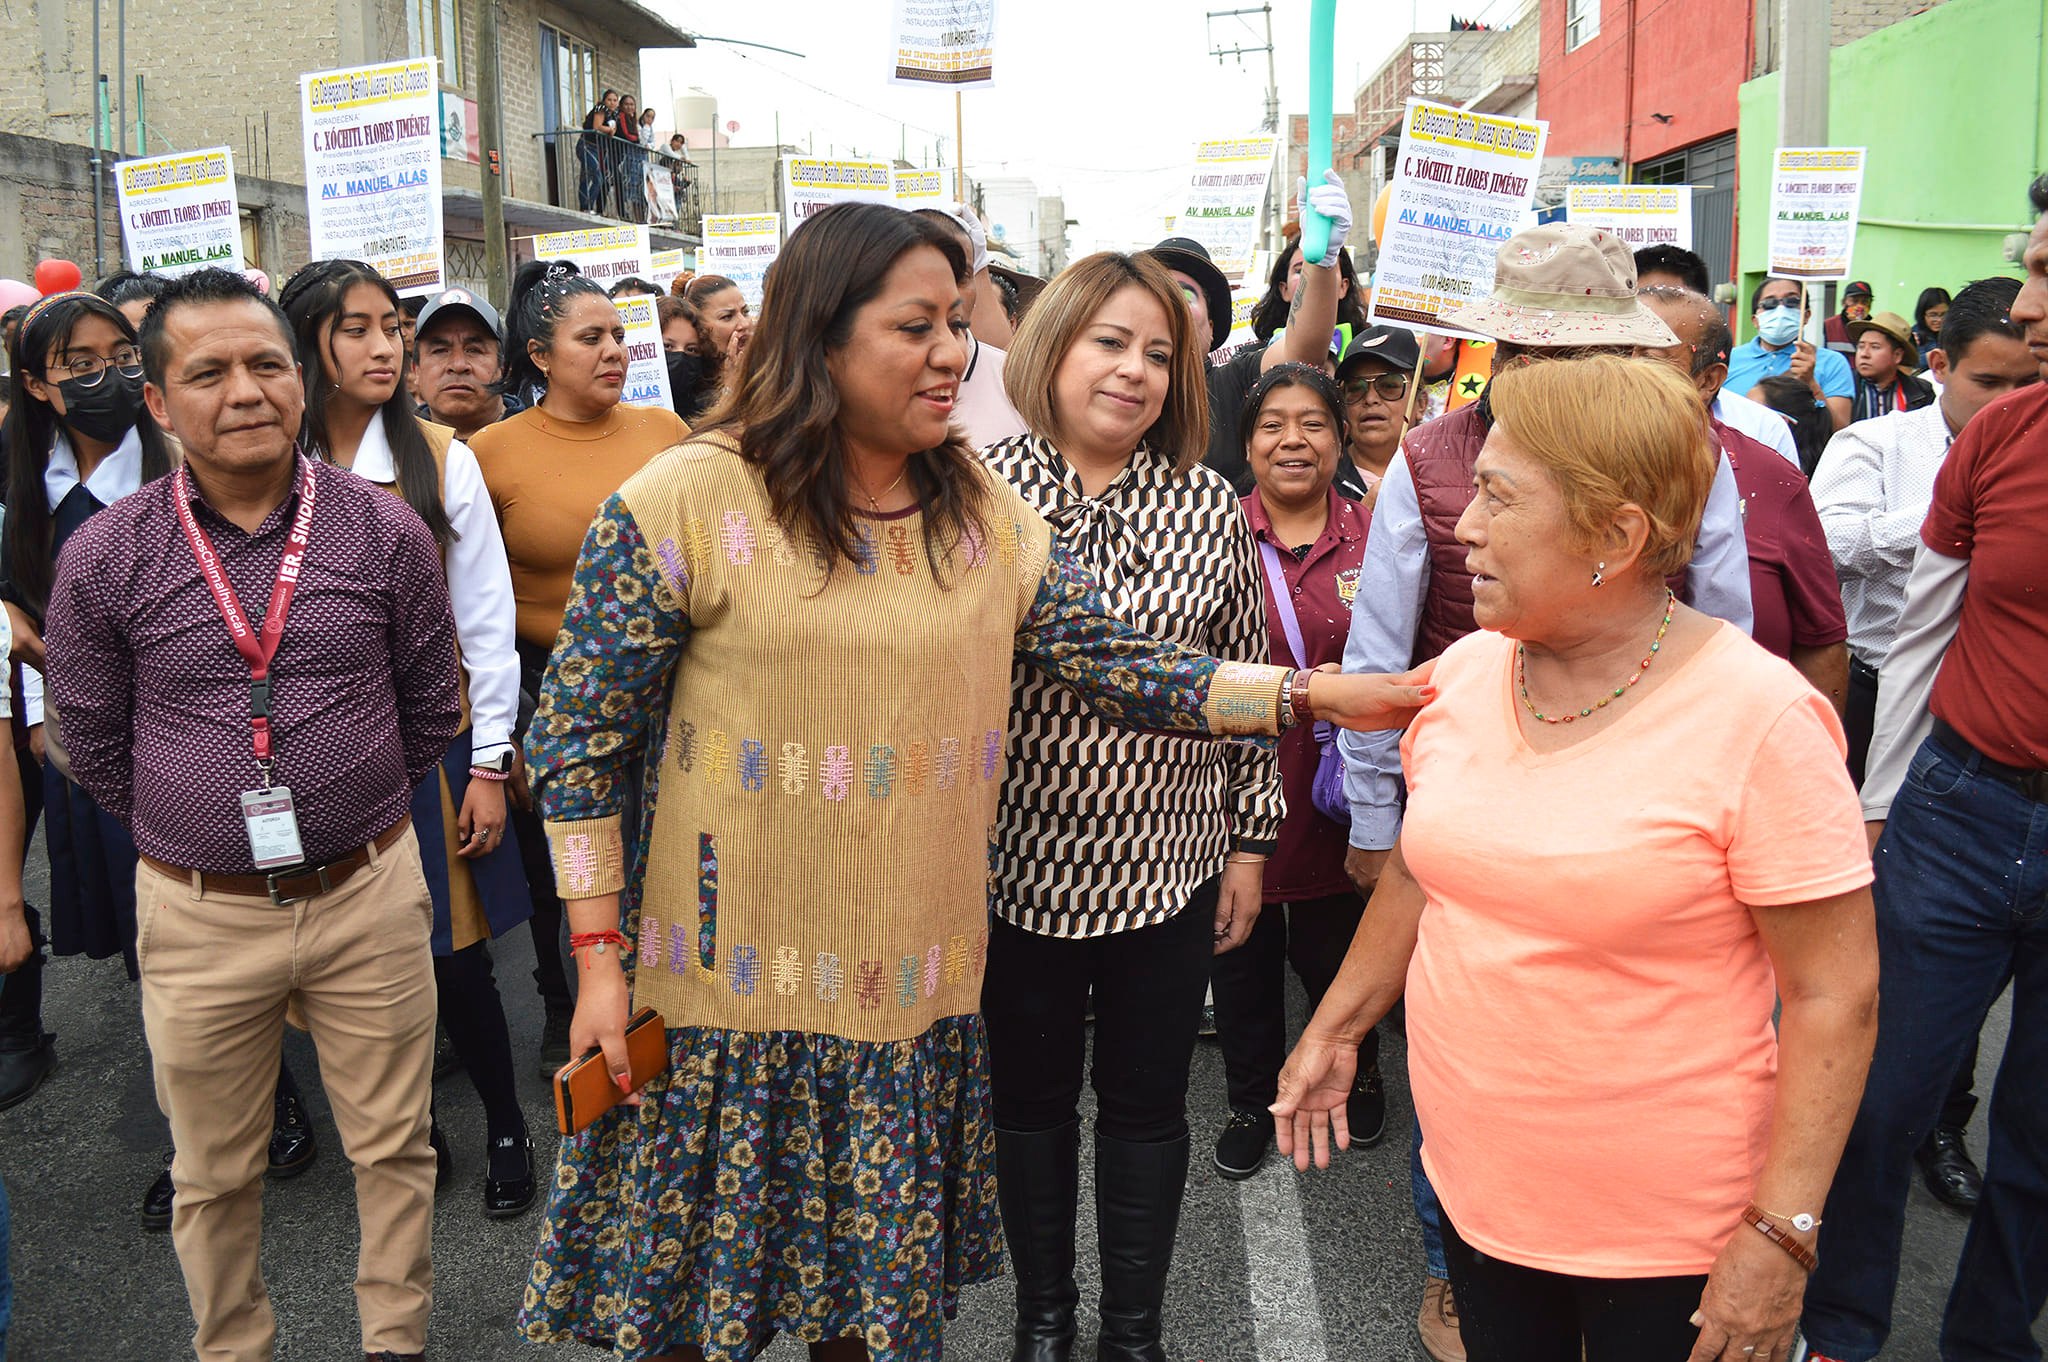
column 685, row 377
column 107, row 410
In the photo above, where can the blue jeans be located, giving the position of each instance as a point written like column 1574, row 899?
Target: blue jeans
column 1962, row 908
column 1429, row 1212
column 591, row 183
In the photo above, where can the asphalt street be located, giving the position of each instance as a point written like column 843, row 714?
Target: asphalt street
column 1284, row 1268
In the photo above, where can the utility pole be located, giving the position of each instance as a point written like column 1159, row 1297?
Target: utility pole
column 1803, row 30
column 491, row 137
column 1272, row 123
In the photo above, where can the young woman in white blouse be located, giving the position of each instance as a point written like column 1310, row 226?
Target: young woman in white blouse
column 1122, row 861
column 345, row 320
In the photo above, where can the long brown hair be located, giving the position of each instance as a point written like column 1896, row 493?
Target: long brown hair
column 785, row 410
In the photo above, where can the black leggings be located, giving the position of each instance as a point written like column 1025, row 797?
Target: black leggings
column 475, row 1019
column 1148, row 987
column 1509, row 1313
column 1250, row 986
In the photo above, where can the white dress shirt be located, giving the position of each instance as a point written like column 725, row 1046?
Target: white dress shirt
column 1388, row 610
column 479, row 589
column 1758, row 422
column 1927, row 625
column 1872, row 488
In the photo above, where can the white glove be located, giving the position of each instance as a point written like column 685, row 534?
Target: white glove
column 1329, row 199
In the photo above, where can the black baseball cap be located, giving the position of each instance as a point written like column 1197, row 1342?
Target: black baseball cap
column 1858, row 289
column 1191, row 258
column 1393, row 346
column 459, row 300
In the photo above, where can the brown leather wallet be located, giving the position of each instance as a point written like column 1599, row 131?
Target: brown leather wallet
column 584, row 1089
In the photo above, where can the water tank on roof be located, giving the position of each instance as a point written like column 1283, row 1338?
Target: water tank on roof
column 696, row 110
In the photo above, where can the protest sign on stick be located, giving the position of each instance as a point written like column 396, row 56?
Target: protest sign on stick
column 1226, row 195
column 1640, row 214
column 605, row 255
column 922, row 188
column 942, row 42
column 809, row 186
column 1816, row 193
column 1463, row 183
column 665, row 266
column 373, row 169
column 179, row 212
column 646, row 366
column 740, row 247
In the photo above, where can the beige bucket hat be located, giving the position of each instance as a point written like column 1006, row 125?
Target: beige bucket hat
column 1563, row 285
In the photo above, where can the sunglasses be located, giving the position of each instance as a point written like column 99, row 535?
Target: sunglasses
column 1773, row 304
column 1390, row 387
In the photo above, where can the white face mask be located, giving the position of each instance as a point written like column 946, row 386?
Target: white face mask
column 1778, row 326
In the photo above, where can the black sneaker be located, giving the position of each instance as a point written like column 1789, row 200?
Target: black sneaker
column 1241, row 1148
column 1366, row 1109
column 554, row 1042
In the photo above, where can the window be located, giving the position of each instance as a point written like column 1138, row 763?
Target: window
column 568, row 72
column 435, row 30
column 1581, row 22
column 1706, row 165
column 252, row 240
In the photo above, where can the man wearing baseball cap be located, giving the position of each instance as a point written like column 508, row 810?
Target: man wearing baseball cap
column 1856, row 304
column 1560, row 293
column 1377, row 375
column 458, row 340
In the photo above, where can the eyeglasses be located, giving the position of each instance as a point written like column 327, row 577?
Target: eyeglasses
column 1390, row 387
column 1773, row 304
column 87, row 370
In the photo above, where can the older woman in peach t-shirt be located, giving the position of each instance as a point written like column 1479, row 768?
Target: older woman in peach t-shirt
column 1629, row 833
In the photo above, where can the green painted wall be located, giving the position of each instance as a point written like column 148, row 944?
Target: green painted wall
column 1953, row 105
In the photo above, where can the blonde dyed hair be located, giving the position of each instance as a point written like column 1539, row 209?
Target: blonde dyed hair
column 1065, row 309
column 1612, row 432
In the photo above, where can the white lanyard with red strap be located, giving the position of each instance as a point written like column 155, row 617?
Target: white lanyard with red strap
column 272, row 823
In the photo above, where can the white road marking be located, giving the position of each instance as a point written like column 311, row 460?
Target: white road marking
column 1287, row 1316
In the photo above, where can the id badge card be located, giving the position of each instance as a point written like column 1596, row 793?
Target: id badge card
column 273, row 828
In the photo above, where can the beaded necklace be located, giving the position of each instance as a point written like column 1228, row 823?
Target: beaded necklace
column 1656, row 644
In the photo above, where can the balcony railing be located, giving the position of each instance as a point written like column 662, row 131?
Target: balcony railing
column 596, row 172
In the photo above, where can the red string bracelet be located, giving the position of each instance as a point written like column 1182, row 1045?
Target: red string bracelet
column 579, row 940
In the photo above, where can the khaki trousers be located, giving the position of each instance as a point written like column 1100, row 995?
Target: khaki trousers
column 218, row 973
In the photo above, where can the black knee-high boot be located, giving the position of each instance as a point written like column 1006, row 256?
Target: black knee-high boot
column 1038, row 1183
column 1137, row 1211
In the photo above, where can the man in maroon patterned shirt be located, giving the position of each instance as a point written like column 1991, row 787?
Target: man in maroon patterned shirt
column 254, row 661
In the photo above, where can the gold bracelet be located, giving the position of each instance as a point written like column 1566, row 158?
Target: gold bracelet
column 1244, row 858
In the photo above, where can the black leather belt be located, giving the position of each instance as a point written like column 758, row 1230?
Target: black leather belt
column 2031, row 783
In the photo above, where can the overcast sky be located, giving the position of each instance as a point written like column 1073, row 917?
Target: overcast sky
column 1101, row 100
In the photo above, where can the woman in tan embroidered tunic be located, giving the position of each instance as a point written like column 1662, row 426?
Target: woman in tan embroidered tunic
column 803, row 619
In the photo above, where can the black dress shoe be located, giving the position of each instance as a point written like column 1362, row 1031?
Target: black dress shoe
column 1951, row 1173
column 444, row 1157
column 1241, row 1148
column 291, row 1139
column 508, row 1181
column 23, row 1071
column 446, row 1061
column 156, row 1202
column 394, row 1357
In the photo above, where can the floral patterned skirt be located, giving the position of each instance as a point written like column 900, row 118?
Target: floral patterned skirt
column 777, row 1182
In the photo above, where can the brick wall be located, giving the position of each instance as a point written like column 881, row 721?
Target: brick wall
column 46, row 211
column 1853, row 19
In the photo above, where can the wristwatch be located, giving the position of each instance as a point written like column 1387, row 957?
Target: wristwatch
column 502, row 763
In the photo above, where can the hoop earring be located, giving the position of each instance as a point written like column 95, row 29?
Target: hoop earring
column 1599, row 577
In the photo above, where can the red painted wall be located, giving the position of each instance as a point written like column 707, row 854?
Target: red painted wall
column 1690, row 57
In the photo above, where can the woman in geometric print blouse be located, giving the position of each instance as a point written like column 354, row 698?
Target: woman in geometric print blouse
column 803, row 619
column 1124, row 860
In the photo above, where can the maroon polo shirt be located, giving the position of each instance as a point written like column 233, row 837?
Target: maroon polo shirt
column 1308, row 863
column 1792, row 586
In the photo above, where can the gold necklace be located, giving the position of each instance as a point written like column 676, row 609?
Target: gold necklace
column 874, row 502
